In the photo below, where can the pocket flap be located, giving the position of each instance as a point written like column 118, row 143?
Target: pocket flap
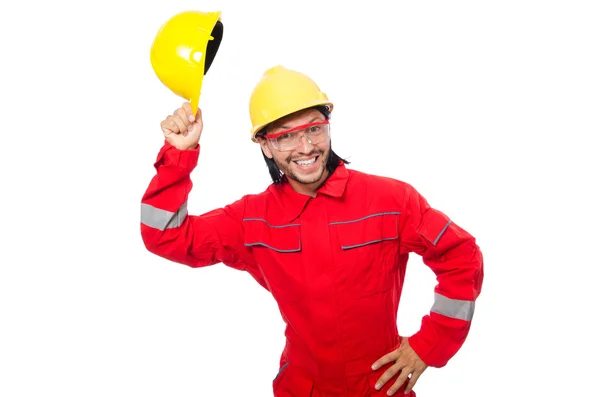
column 371, row 229
column 280, row 238
column 433, row 225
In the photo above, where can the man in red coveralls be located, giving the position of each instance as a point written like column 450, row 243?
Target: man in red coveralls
column 331, row 244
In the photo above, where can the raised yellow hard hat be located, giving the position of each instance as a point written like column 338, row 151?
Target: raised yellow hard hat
column 280, row 92
column 183, row 50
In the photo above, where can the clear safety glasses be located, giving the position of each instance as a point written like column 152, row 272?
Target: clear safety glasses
column 314, row 133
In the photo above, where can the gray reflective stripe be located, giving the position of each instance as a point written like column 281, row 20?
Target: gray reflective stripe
column 268, row 224
column 162, row 219
column 455, row 308
column 274, row 249
column 366, row 217
column 442, row 232
column 281, row 370
column 347, row 247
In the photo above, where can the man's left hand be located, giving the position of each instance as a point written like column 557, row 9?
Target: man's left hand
column 407, row 362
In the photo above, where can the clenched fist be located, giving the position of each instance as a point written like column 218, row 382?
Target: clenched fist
column 182, row 129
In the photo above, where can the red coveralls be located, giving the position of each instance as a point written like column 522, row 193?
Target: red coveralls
column 334, row 263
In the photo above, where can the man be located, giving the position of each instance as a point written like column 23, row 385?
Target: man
column 331, row 244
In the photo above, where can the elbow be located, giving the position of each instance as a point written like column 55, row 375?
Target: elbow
column 150, row 238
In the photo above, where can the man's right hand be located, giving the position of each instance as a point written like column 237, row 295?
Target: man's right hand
column 182, row 129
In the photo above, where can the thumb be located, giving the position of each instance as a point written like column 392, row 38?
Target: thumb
column 192, row 136
column 197, row 125
column 195, row 131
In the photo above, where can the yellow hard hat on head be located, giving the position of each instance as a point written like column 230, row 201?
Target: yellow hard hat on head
column 183, row 51
column 281, row 92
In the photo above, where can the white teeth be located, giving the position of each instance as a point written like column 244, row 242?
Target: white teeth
column 304, row 163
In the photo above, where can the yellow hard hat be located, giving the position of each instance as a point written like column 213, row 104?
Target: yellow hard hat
column 183, row 51
column 280, row 92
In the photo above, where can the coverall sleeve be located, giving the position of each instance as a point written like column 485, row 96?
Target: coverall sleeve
column 170, row 232
column 457, row 262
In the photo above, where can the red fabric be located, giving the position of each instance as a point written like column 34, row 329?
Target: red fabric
column 334, row 263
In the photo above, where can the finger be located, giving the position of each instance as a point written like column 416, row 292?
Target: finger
column 183, row 116
column 414, row 377
column 175, row 139
column 198, row 115
column 189, row 114
column 169, row 126
column 388, row 358
column 400, row 381
column 181, row 127
column 387, row 375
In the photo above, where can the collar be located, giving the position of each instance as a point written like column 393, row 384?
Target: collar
column 293, row 203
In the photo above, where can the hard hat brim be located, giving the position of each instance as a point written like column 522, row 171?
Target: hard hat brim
column 211, row 51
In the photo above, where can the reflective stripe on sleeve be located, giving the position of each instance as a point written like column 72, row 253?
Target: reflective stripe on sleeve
column 454, row 308
column 162, row 219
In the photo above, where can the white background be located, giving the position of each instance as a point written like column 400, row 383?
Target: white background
column 490, row 109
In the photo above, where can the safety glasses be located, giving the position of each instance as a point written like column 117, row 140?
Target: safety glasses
column 287, row 140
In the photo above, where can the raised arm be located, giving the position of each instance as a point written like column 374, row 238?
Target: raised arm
column 166, row 227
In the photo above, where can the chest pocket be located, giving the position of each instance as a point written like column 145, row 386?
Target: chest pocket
column 367, row 251
column 277, row 251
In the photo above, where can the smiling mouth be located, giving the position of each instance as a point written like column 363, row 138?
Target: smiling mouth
column 306, row 163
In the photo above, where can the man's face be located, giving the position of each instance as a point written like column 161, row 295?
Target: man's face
column 304, row 162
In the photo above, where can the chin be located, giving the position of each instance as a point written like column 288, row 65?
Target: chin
column 312, row 177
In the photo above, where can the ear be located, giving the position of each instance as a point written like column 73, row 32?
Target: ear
column 264, row 145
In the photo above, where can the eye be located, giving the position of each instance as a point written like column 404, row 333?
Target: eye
column 315, row 128
column 284, row 137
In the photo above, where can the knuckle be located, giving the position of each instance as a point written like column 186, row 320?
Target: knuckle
column 182, row 113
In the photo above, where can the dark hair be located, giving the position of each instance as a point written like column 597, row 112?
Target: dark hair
column 332, row 161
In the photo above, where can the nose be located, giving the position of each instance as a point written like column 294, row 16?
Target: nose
column 305, row 146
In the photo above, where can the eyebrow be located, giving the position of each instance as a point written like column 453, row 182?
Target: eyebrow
column 285, row 126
